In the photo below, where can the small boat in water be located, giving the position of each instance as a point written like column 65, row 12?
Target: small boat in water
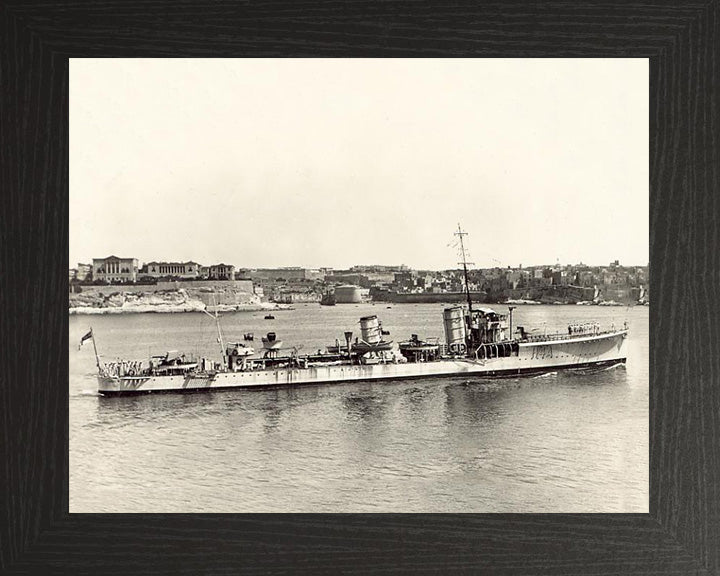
column 269, row 317
column 328, row 299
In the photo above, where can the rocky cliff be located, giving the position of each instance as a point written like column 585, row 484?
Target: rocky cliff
column 119, row 299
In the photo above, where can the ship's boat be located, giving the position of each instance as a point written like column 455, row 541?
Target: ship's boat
column 239, row 349
column 417, row 350
column 172, row 362
column 361, row 347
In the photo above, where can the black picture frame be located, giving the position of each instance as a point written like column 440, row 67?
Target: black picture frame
column 680, row 535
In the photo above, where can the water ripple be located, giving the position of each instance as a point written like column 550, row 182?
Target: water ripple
column 571, row 441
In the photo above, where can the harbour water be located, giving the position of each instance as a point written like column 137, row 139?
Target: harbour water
column 571, row 441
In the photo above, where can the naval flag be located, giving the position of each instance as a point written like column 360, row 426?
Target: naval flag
column 86, row 337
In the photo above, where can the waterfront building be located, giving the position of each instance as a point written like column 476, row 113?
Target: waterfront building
column 295, row 297
column 221, row 272
column 516, row 278
column 405, row 281
column 609, row 277
column 84, row 272
column 357, row 279
column 287, row 273
column 348, row 294
column 176, row 269
column 585, row 278
column 560, row 278
column 115, row 269
column 378, row 269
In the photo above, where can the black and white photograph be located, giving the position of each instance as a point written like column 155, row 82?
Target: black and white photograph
column 359, row 285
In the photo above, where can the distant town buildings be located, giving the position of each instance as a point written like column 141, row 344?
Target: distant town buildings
column 296, row 284
column 289, row 273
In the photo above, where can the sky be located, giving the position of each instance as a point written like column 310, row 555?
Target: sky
column 342, row 162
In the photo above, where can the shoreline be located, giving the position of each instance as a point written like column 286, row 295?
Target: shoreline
column 170, row 309
column 262, row 307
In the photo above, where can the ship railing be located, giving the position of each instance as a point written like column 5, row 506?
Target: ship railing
column 565, row 336
column 477, row 355
column 121, row 368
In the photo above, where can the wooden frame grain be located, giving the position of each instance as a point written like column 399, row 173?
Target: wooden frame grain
column 680, row 535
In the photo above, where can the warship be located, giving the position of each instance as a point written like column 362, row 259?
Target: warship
column 478, row 342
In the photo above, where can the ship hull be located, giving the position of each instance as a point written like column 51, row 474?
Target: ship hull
column 530, row 358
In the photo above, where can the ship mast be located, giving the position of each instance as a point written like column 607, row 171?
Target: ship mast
column 220, row 338
column 464, row 262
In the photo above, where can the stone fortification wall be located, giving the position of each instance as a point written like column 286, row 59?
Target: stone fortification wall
column 244, row 285
column 427, row 297
column 166, row 297
column 220, row 285
column 113, row 289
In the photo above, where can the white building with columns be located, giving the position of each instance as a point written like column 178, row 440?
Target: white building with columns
column 115, row 269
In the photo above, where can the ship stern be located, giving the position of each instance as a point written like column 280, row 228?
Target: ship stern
column 109, row 385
